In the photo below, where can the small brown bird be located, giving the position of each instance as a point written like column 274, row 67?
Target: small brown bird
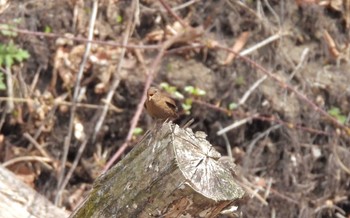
column 159, row 106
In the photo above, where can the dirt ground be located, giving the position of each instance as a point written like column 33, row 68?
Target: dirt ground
column 291, row 92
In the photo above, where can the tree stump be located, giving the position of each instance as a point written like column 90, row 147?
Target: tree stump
column 171, row 172
column 18, row 200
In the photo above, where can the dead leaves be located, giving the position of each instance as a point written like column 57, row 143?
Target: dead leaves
column 101, row 65
column 342, row 6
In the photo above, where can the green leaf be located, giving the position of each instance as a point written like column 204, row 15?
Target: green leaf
column 341, row 119
column 187, row 105
column 138, row 131
column 47, row 29
column 119, row 19
column 6, row 30
column 195, row 91
column 232, row 106
column 164, row 85
column 171, row 90
column 336, row 113
column 178, row 95
column 21, row 55
column 200, row 92
column 10, row 53
column 240, row 81
column 189, row 89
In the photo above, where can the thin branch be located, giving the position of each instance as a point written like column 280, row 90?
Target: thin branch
column 260, row 136
column 172, row 13
column 300, row 64
column 227, row 142
column 271, row 119
column 116, row 79
column 251, row 89
column 237, row 47
column 27, row 159
column 67, row 139
column 75, row 163
column 79, row 39
column 263, row 43
column 235, row 125
column 9, row 83
column 337, row 158
column 67, row 103
column 291, row 88
column 36, row 144
column 185, row 36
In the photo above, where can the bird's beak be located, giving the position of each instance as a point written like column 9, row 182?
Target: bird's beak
column 150, row 98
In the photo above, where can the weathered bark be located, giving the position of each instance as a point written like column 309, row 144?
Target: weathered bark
column 171, row 172
column 18, row 200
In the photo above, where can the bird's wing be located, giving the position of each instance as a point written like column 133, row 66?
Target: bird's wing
column 171, row 103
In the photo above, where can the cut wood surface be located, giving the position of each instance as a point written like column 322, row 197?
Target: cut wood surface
column 170, row 172
column 18, row 200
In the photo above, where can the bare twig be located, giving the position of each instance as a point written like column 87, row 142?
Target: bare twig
column 116, row 79
column 184, row 5
column 2, row 120
column 34, row 82
column 329, row 205
column 235, row 125
column 248, row 187
column 227, row 142
column 170, row 11
column 251, row 89
column 274, row 14
column 67, row 139
column 27, row 159
column 67, row 103
column 185, row 36
column 9, row 88
column 75, row 164
column 176, row 8
column 80, row 39
column 300, row 64
column 36, row 144
column 237, row 47
column 271, row 119
column 260, row 136
column 337, row 158
column 283, row 84
column 332, row 46
column 263, row 43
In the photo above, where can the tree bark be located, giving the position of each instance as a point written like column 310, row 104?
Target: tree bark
column 170, row 172
column 18, row 200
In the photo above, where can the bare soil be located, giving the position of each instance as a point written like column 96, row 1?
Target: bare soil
column 290, row 153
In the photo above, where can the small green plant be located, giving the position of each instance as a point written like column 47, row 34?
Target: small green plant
column 187, row 105
column 119, row 19
column 137, row 131
column 195, row 91
column 48, row 29
column 8, row 29
column 240, row 81
column 232, row 106
column 171, row 90
column 335, row 112
column 10, row 53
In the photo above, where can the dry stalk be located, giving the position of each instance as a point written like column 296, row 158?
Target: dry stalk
column 67, row 140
